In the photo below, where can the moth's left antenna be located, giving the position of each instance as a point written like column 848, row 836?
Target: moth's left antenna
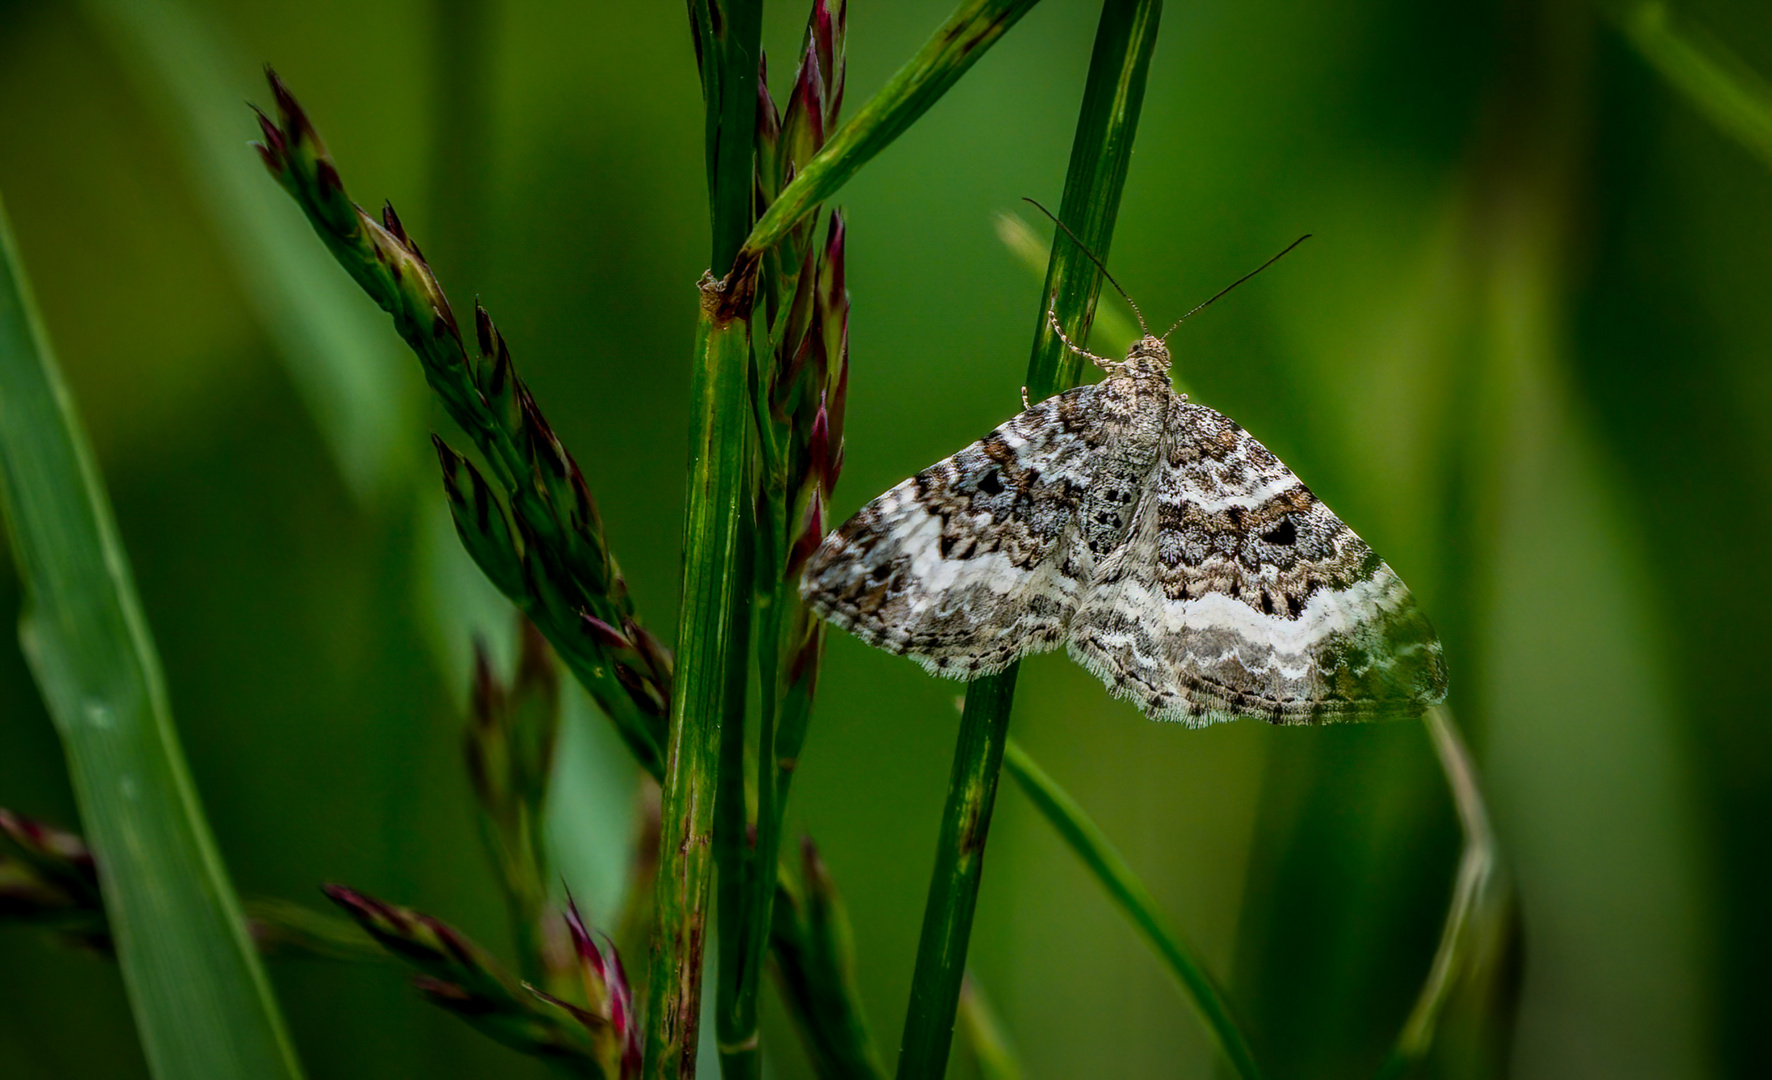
column 1099, row 265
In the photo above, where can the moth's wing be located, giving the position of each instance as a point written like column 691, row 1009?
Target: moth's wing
column 970, row 564
column 1240, row 594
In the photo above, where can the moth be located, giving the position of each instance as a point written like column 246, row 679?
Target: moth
column 1170, row 552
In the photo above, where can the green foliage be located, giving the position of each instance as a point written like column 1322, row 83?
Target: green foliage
column 1523, row 360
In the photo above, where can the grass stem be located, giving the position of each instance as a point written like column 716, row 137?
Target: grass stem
column 1100, row 156
column 710, row 642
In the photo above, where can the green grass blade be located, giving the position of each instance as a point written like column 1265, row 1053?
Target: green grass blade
column 1101, row 153
column 1735, row 98
column 971, row 30
column 353, row 381
column 1474, row 927
column 702, row 695
column 203, row 1007
column 1109, row 867
column 953, row 885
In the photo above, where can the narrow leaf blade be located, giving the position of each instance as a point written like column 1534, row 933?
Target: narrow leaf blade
column 202, row 1005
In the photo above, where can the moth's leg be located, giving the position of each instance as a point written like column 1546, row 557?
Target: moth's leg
column 1024, row 398
column 1102, row 362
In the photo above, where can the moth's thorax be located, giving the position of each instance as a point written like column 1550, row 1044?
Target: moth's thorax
column 1148, row 357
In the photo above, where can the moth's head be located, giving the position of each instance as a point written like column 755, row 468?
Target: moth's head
column 1148, row 356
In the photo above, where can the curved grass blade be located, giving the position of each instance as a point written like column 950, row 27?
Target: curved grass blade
column 202, row 1006
column 1737, row 99
column 1474, row 928
column 1101, row 153
column 1109, row 867
column 972, row 29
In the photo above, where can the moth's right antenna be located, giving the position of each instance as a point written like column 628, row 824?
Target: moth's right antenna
column 1233, row 285
column 1099, row 265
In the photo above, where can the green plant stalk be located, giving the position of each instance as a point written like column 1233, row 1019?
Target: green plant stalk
column 1105, row 862
column 747, row 864
column 1737, row 99
column 739, row 863
column 202, row 1005
column 953, row 887
column 791, row 372
column 971, row 30
column 1100, row 155
column 728, row 35
column 729, row 42
column 706, row 634
column 1479, row 895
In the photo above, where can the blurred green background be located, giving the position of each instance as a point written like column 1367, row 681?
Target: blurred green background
column 1526, row 356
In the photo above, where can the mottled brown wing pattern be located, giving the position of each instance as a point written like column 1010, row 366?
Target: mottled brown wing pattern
column 1175, row 556
column 970, row 564
column 1239, row 593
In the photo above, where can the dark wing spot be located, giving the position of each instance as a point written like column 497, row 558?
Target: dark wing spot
column 1284, row 534
column 991, row 483
column 1294, row 606
column 1267, row 603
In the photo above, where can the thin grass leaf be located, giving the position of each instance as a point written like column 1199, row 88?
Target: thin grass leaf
column 1737, row 99
column 1101, row 153
column 361, row 394
column 203, row 1008
column 971, row 30
column 1472, row 936
column 1098, row 853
